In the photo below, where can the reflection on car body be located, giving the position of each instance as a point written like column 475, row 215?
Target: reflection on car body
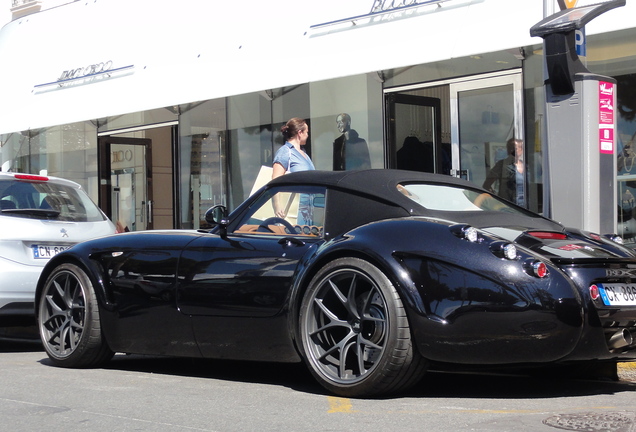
column 398, row 270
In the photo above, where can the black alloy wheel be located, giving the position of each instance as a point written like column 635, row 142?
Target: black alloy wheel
column 68, row 320
column 355, row 333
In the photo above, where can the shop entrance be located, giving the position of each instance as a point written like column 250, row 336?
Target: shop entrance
column 485, row 114
column 125, row 191
column 415, row 134
column 459, row 127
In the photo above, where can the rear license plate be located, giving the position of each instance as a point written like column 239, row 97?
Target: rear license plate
column 46, row 252
column 618, row 294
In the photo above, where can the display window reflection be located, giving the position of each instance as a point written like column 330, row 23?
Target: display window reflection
column 626, row 156
column 68, row 151
column 201, row 161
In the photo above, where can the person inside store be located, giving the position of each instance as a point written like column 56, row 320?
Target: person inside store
column 291, row 157
column 508, row 174
column 350, row 152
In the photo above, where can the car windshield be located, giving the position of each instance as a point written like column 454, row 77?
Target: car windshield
column 46, row 200
column 443, row 197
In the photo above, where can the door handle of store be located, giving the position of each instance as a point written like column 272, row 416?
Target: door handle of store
column 149, row 211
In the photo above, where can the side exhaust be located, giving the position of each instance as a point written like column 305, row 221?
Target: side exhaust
column 620, row 339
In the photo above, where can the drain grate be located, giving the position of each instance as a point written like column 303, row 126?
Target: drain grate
column 593, row 422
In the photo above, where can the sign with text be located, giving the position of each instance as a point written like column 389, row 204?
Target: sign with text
column 384, row 8
column 606, row 92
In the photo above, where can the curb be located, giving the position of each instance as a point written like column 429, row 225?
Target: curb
column 627, row 371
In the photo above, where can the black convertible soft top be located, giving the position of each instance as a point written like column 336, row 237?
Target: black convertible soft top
column 382, row 184
column 379, row 182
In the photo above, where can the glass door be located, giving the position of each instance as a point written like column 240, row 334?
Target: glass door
column 414, row 134
column 125, row 179
column 487, row 133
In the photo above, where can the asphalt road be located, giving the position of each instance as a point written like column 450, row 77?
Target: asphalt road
column 137, row 393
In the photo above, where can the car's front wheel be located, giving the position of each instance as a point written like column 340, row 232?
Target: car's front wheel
column 68, row 319
column 355, row 333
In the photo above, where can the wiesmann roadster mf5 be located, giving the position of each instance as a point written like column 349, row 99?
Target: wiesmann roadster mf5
column 366, row 276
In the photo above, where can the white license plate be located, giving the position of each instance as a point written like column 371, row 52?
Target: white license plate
column 618, row 294
column 46, row 252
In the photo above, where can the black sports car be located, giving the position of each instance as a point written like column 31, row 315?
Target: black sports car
column 366, row 276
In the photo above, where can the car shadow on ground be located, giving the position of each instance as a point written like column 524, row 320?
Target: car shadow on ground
column 20, row 339
column 8, row 345
column 513, row 385
column 292, row 375
column 435, row 384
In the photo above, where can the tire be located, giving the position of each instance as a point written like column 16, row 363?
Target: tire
column 68, row 320
column 355, row 333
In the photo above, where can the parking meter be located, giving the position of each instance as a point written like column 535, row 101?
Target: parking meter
column 580, row 126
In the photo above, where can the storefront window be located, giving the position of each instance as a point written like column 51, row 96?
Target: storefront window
column 251, row 134
column 142, row 118
column 346, row 123
column 15, row 152
column 67, row 151
column 626, row 148
column 202, row 160
column 620, row 65
column 491, row 146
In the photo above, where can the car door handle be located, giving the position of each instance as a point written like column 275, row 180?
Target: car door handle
column 290, row 241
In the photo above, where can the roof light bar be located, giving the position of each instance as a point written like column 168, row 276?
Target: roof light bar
column 31, row 177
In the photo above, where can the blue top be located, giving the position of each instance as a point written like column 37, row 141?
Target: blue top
column 293, row 160
column 521, row 199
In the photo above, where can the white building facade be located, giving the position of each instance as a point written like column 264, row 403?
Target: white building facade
column 162, row 109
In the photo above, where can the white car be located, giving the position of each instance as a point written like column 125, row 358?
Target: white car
column 39, row 217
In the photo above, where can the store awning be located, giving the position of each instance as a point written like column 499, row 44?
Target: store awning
column 89, row 60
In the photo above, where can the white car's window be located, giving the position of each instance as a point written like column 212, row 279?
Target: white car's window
column 453, row 198
column 46, row 200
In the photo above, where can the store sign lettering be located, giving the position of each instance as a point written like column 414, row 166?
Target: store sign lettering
column 86, row 71
column 382, row 7
column 388, row 5
column 121, row 156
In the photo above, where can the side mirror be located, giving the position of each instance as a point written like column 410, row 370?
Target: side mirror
column 217, row 216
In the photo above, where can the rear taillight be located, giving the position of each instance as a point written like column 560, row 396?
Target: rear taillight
column 594, row 292
column 536, row 268
column 540, row 269
column 30, row 177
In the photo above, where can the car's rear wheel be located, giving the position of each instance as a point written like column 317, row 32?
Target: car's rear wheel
column 68, row 319
column 355, row 333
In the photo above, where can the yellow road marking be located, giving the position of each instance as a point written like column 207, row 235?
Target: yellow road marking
column 344, row 405
column 339, row 405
